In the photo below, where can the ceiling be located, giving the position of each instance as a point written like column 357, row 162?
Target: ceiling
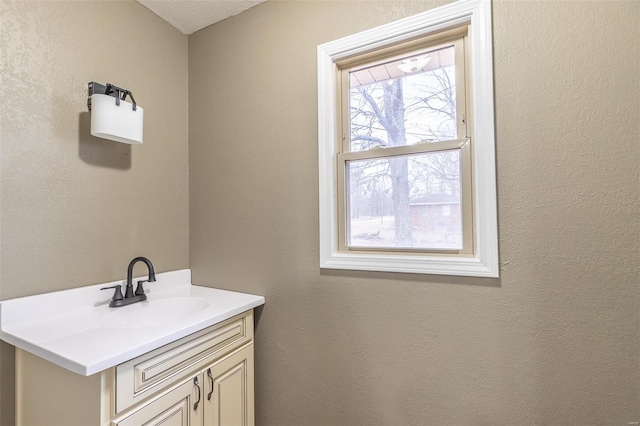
column 189, row 16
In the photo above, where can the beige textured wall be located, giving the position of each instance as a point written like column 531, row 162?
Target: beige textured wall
column 554, row 341
column 76, row 209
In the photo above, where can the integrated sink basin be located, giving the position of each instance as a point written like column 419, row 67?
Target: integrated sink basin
column 153, row 313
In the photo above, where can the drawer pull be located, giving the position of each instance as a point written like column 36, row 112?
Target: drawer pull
column 195, row 382
column 210, row 378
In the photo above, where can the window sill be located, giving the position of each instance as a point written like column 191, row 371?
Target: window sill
column 438, row 265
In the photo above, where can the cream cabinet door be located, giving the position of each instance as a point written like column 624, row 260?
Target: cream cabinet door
column 180, row 407
column 229, row 390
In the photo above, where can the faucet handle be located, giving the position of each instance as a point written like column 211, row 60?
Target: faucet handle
column 117, row 294
column 139, row 288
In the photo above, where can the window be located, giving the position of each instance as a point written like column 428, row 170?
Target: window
column 406, row 146
column 404, row 139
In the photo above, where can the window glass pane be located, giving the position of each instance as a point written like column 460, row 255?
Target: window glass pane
column 410, row 201
column 403, row 102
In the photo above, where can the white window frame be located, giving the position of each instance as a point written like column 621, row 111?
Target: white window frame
column 484, row 260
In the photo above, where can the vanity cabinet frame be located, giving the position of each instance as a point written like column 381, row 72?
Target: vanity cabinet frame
column 157, row 385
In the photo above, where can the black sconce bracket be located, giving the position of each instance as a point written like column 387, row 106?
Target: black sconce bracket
column 111, row 90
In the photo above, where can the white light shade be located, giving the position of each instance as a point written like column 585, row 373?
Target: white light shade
column 118, row 123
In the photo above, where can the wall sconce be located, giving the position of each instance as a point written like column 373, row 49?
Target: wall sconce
column 114, row 119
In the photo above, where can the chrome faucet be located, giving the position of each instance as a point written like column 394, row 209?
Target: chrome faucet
column 130, row 296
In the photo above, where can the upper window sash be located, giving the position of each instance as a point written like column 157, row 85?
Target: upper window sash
column 447, row 40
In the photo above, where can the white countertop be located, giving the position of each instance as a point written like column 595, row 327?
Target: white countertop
column 75, row 328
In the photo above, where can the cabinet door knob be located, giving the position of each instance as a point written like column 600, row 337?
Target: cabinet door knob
column 197, row 383
column 210, row 378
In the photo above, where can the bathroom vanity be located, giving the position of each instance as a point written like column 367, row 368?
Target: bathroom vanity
column 184, row 357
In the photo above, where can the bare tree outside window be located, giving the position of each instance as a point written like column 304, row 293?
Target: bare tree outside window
column 401, row 201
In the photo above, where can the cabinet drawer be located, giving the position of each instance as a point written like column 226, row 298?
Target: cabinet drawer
column 144, row 376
